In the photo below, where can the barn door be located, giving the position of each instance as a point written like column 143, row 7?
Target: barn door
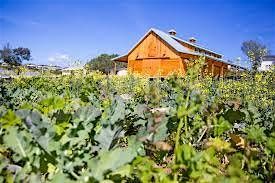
column 151, row 67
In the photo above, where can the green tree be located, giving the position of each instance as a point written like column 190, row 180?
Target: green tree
column 255, row 51
column 14, row 56
column 104, row 63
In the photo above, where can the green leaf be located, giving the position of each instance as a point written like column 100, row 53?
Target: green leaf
column 124, row 171
column 114, row 159
column 233, row 116
column 39, row 126
column 271, row 144
column 221, row 126
column 9, row 119
column 219, row 145
column 106, row 136
column 256, row 133
column 161, row 131
column 110, row 160
column 51, row 104
column 60, row 177
column 86, row 114
column 118, row 111
column 15, row 141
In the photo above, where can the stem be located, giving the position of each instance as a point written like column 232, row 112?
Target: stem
column 183, row 121
column 185, row 125
column 178, row 136
column 202, row 135
column 186, row 106
column 21, row 148
column 74, row 175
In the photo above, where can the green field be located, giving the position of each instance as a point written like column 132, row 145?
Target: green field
column 100, row 128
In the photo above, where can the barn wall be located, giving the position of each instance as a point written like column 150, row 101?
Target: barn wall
column 156, row 67
column 153, row 57
column 216, row 68
column 212, row 67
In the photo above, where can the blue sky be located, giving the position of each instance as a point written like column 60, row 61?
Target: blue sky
column 60, row 31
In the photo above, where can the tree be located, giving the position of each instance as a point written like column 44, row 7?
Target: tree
column 14, row 56
column 104, row 63
column 255, row 51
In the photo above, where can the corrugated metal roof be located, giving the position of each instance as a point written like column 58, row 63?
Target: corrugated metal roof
column 120, row 56
column 195, row 45
column 172, row 42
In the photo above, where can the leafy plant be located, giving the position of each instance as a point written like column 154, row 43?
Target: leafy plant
column 99, row 128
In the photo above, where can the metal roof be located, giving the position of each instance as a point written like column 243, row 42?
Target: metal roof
column 269, row 58
column 195, row 45
column 172, row 42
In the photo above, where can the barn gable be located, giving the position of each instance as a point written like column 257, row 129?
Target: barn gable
column 153, row 56
column 152, row 46
column 166, row 40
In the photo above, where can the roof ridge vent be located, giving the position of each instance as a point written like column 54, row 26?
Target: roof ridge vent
column 172, row 32
column 192, row 40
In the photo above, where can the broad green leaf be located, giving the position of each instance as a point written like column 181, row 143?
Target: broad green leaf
column 86, row 114
column 39, row 125
column 51, row 104
column 16, row 142
column 118, row 111
column 161, row 131
column 9, row 119
column 110, row 160
column 106, row 136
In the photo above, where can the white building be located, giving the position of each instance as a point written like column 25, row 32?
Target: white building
column 74, row 69
column 267, row 63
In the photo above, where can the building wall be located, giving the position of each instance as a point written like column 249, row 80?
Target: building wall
column 153, row 57
column 152, row 47
column 156, row 67
column 216, row 68
column 266, row 65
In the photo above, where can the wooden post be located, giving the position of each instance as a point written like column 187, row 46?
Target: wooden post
column 115, row 68
column 222, row 71
column 212, row 69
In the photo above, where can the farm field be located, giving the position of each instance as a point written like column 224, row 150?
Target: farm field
column 104, row 128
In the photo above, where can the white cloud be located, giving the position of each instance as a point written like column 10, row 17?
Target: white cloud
column 60, row 59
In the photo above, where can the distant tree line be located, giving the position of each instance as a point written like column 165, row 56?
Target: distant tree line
column 105, row 64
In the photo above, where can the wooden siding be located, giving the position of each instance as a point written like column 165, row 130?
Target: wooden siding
column 154, row 58
column 152, row 47
column 216, row 68
column 156, row 67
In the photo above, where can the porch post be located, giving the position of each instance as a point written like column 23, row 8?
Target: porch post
column 212, row 68
column 222, row 71
column 115, row 68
